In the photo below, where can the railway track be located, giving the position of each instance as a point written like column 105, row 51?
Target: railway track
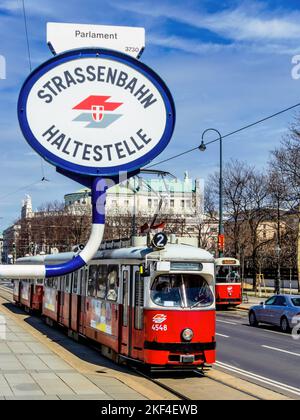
column 6, row 293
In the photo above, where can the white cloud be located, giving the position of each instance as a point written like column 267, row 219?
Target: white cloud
column 249, row 23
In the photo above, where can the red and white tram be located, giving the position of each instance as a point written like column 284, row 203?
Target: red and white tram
column 228, row 282
column 152, row 306
column 29, row 294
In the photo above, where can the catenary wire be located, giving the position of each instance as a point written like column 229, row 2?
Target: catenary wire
column 30, row 68
column 227, row 135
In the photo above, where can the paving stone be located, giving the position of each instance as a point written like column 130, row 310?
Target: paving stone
column 38, row 348
column 85, row 397
column 54, row 362
column 80, row 384
column 10, row 362
column 52, row 384
column 126, row 396
column 33, row 397
column 23, row 384
column 5, row 390
column 4, row 349
column 32, row 362
column 19, row 348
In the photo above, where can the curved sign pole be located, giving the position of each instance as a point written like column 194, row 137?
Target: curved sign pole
column 93, row 114
column 99, row 188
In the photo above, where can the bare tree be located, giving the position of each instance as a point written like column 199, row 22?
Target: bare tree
column 285, row 160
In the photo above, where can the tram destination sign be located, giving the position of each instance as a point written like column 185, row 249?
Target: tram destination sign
column 96, row 112
column 63, row 37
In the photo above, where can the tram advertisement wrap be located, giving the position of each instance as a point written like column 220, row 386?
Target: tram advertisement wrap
column 50, row 299
column 101, row 316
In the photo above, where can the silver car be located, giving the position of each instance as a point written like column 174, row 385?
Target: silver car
column 280, row 310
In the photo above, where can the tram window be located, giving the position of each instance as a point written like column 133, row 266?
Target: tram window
column 112, row 282
column 125, row 298
column 84, row 282
column 227, row 274
column 181, row 290
column 68, row 283
column 75, row 281
column 102, row 282
column 92, row 279
column 139, row 302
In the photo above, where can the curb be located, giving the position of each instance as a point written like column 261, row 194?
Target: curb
column 243, row 308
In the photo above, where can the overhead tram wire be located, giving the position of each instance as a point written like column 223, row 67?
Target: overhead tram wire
column 30, row 70
column 226, row 135
column 20, row 189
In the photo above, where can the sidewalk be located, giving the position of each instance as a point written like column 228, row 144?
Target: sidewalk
column 251, row 301
column 30, row 370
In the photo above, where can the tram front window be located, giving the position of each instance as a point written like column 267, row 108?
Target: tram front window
column 181, row 290
column 227, row 274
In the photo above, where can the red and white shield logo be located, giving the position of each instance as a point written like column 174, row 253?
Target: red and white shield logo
column 97, row 112
column 230, row 290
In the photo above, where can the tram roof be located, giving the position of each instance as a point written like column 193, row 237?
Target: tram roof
column 170, row 252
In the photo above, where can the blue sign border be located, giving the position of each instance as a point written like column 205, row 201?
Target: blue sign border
column 96, row 53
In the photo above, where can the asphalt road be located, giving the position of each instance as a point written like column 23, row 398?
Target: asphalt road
column 261, row 355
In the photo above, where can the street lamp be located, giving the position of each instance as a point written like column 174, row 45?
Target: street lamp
column 202, row 148
column 278, row 279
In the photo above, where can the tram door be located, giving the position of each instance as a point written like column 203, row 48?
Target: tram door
column 124, row 329
column 127, row 310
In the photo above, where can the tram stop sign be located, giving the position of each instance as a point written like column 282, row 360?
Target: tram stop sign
column 96, row 112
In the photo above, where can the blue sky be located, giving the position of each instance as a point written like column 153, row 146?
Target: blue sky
column 227, row 63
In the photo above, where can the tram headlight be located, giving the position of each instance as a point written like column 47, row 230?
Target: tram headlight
column 187, row 334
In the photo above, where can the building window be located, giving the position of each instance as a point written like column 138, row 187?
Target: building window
column 182, row 204
column 126, row 203
column 149, row 203
column 172, row 203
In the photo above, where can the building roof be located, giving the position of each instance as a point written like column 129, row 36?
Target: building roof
column 170, row 253
column 154, row 185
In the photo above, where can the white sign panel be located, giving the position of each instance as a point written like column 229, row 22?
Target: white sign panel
column 62, row 37
column 95, row 113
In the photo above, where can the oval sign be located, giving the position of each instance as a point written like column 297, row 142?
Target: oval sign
column 96, row 112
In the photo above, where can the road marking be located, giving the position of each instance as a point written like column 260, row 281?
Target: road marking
column 223, row 335
column 274, row 332
column 282, row 351
column 259, row 378
column 226, row 322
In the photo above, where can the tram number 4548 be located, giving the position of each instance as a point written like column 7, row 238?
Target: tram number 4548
column 158, row 327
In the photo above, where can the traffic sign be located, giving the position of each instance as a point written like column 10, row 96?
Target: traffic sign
column 96, row 112
column 63, row 37
column 221, row 242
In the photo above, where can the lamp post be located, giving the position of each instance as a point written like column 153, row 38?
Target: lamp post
column 278, row 279
column 202, row 147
